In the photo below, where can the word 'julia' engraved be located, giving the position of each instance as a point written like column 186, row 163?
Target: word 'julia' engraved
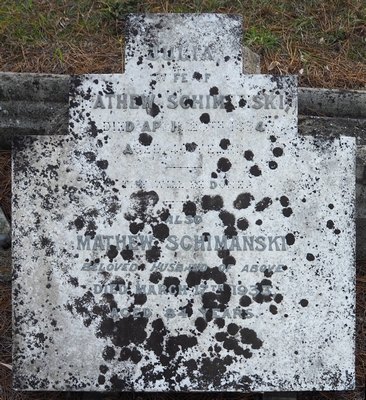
column 180, row 53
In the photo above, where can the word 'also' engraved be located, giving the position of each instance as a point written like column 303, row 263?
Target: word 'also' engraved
column 186, row 242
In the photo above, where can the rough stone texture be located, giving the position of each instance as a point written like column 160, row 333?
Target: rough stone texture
column 32, row 104
column 332, row 102
column 251, row 62
column 5, row 250
column 164, row 245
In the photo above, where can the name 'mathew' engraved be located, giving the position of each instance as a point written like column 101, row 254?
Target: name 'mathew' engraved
column 186, row 242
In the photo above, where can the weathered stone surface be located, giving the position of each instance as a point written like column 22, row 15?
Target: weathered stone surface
column 184, row 236
column 5, row 251
column 333, row 102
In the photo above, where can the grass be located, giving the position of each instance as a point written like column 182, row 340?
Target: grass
column 322, row 41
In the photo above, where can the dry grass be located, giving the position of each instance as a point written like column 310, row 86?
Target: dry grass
column 322, row 41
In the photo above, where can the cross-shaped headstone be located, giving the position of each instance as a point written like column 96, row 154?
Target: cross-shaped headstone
column 183, row 236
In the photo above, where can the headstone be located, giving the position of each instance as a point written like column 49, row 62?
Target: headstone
column 183, row 236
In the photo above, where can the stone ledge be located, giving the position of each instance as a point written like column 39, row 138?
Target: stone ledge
column 37, row 104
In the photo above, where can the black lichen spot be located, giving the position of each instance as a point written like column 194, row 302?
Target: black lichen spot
column 90, row 156
column 212, row 203
column 242, row 103
column 248, row 336
column 74, row 281
column 229, row 260
column 153, row 254
column 243, row 201
column 337, row 231
column 223, row 253
column 153, row 111
column 213, row 370
column 284, row 201
column 117, row 383
column 172, row 285
column 248, row 155
column 245, row 301
column 92, row 130
column 227, row 58
column 140, row 298
column 224, row 143
column 48, row 245
column 103, row 369
column 277, row 152
column 227, row 218
column 255, row 170
column 112, row 252
column 205, row 118
column 213, row 175
column 220, row 336
column 188, row 103
column 230, row 231
column 278, row 298
column 125, row 354
column 287, row 212
column 331, row 206
column 272, row 165
column 183, row 342
column 263, row 295
column 108, row 353
column 220, row 322
column 127, row 254
column 273, row 309
column 214, row 90
column 200, row 324
column 155, row 277
column 141, row 200
column 223, row 164
column 242, row 224
column 191, row 147
column 139, row 62
column 156, row 339
column 229, row 107
column 304, row 302
column 197, row 76
column 161, row 231
column 136, row 227
column 152, row 84
column 263, row 204
column 190, row 208
column 102, row 164
column 232, row 329
column 330, row 224
column 135, row 356
column 79, row 223
column 145, row 139
column 290, row 239
column 272, row 138
column 101, row 379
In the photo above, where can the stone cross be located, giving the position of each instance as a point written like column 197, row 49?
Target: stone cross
column 183, row 236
